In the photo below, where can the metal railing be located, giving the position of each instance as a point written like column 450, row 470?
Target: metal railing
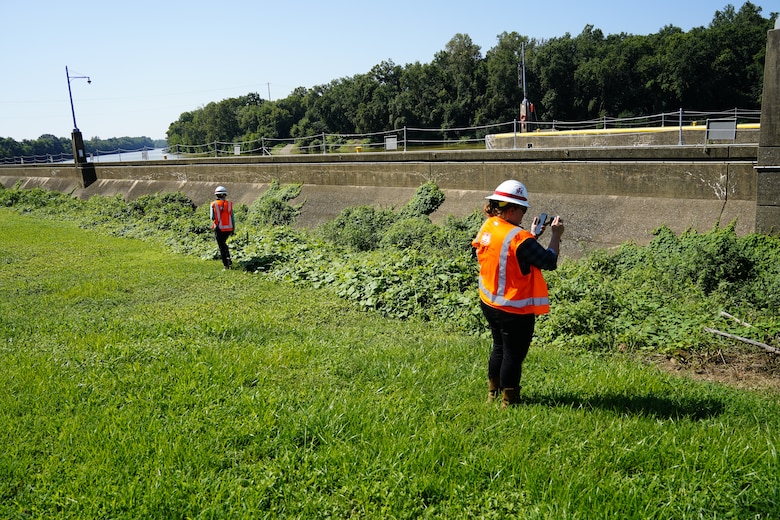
column 401, row 139
column 117, row 155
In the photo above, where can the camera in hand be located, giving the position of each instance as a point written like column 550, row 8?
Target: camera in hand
column 542, row 222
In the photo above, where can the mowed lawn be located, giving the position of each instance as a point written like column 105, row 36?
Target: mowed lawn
column 136, row 383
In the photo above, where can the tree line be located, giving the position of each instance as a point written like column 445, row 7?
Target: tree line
column 568, row 78
column 49, row 144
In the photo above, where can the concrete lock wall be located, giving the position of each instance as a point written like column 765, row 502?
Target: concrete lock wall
column 606, row 196
column 768, row 168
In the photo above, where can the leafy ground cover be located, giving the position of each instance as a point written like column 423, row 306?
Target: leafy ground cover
column 136, row 382
column 657, row 302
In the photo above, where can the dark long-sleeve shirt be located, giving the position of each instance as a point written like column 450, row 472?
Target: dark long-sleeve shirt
column 530, row 252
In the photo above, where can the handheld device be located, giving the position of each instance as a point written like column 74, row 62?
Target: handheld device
column 542, row 219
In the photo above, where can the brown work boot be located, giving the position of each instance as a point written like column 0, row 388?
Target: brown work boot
column 510, row 397
column 493, row 390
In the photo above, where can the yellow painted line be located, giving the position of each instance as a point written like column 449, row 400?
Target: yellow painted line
column 643, row 130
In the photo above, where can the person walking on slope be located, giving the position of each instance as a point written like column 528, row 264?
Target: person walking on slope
column 512, row 289
column 221, row 213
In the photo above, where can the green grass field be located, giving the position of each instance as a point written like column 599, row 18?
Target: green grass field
column 137, row 383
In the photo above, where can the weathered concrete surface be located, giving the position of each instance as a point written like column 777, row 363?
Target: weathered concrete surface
column 606, row 197
column 769, row 140
column 768, row 169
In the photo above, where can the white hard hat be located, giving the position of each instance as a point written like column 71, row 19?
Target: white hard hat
column 220, row 191
column 511, row 191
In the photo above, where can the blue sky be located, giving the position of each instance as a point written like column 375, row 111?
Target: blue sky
column 150, row 61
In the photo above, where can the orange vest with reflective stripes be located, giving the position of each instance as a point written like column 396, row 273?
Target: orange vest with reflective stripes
column 501, row 283
column 222, row 213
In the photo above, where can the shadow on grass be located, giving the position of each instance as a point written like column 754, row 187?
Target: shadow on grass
column 641, row 405
column 257, row 263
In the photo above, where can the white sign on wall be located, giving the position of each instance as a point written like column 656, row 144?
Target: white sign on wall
column 391, row 143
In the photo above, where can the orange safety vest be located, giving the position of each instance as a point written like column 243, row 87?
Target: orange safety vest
column 222, row 214
column 501, row 283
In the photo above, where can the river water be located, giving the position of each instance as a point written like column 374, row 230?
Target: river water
column 157, row 154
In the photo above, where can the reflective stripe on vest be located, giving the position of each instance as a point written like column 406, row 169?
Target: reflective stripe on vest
column 223, row 211
column 528, row 292
column 500, row 301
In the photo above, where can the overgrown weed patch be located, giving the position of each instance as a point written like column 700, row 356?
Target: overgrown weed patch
column 655, row 299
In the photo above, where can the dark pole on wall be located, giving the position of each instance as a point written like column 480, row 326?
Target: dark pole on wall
column 79, row 154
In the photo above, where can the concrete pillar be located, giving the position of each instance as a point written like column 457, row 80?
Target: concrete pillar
column 768, row 164
column 87, row 170
column 79, row 152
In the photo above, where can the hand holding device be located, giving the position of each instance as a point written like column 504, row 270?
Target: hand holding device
column 540, row 223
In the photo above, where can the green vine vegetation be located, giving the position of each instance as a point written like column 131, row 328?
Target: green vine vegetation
column 655, row 298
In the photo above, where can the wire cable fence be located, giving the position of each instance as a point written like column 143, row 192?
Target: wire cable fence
column 412, row 138
column 118, row 155
column 475, row 137
column 664, row 119
column 401, row 139
column 635, row 130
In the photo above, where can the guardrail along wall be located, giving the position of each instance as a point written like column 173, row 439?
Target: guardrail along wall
column 605, row 196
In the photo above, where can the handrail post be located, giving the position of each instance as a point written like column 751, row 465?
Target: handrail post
column 680, row 142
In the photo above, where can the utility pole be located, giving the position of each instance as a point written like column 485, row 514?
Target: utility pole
column 524, row 105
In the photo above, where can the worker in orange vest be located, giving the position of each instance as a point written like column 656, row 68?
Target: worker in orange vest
column 512, row 289
column 221, row 213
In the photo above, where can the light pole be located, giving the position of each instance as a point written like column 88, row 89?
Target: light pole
column 524, row 105
column 79, row 154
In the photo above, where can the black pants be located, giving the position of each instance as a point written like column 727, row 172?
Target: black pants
column 224, row 252
column 512, row 334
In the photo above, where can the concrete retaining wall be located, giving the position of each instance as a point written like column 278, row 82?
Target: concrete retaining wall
column 605, row 196
column 768, row 170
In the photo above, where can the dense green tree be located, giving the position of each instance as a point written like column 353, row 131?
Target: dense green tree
column 622, row 82
column 461, row 92
column 97, row 144
column 503, row 85
column 417, row 103
column 678, row 53
column 569, row 79
column 187, row 130
column 220, row 120
column 376, row 115
column 10, row 148
column 291, row 110
column 652, row 72
column 738, row 67
column 49, row 146
column 555, row 67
